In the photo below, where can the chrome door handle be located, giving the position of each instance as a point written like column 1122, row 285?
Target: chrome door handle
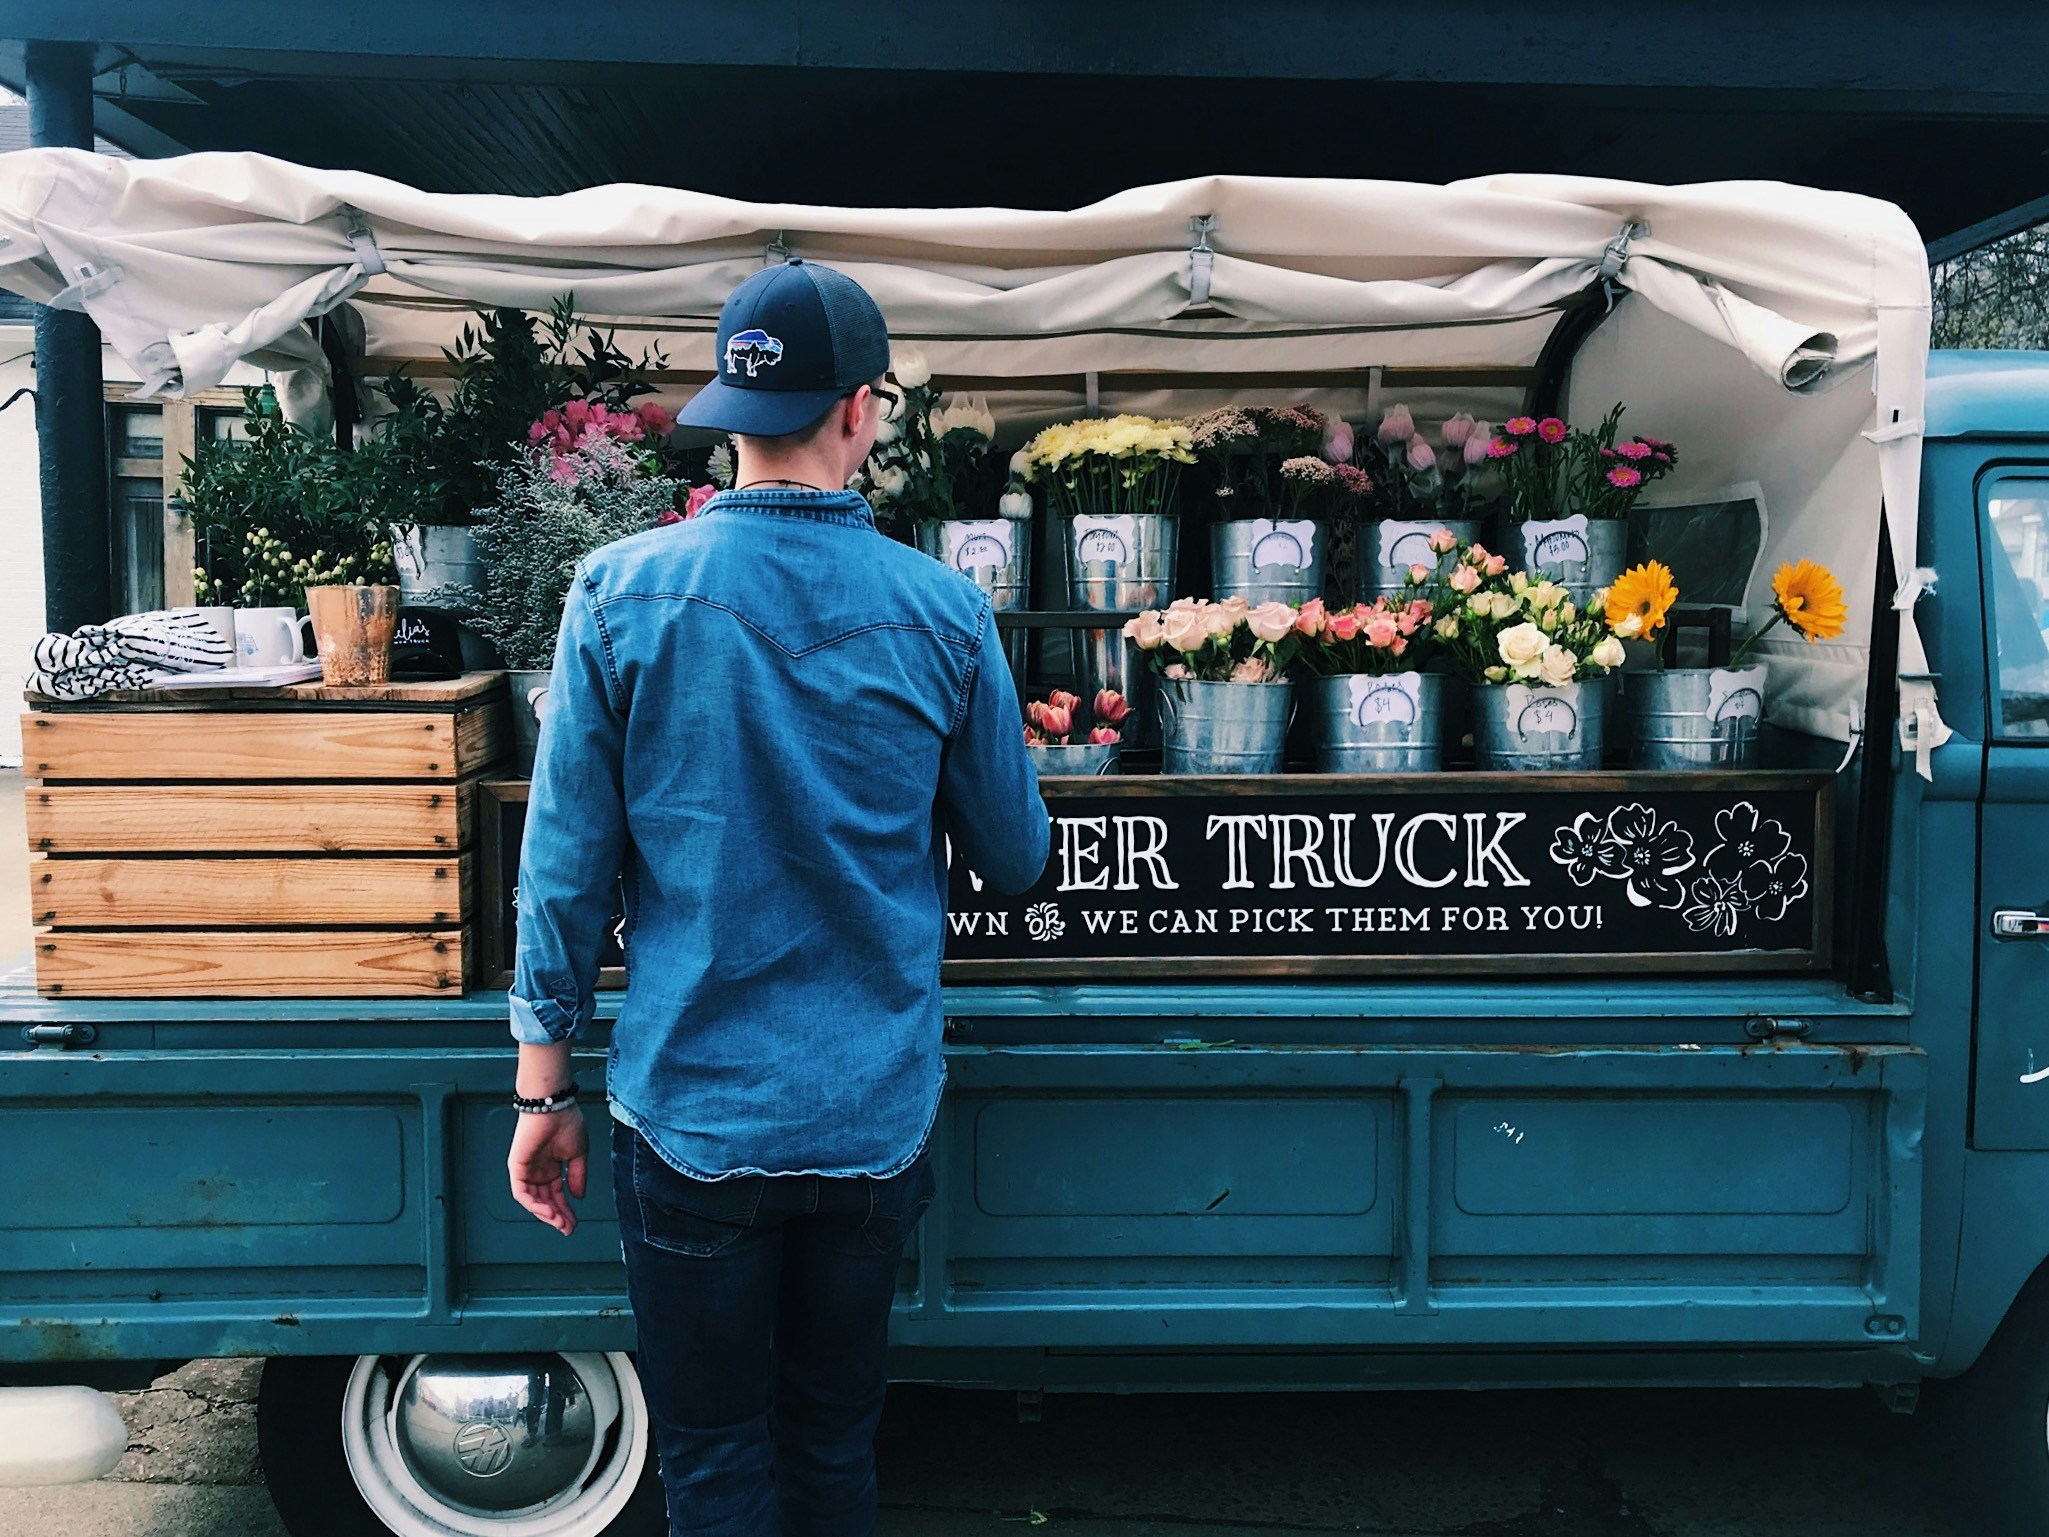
column 2017, row 923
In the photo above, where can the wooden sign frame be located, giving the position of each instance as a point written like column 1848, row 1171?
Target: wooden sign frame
column 1601, row 789
column 493, row 951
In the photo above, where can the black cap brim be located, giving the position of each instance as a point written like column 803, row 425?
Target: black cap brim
column 756, row 413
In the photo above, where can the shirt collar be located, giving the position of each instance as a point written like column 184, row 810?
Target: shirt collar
column 844, row 507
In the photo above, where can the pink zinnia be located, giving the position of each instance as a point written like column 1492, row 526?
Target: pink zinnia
column 1519, row 426
column 1636, row 450
column 1502, row 448
column 1551, row 430
column 1624, row 476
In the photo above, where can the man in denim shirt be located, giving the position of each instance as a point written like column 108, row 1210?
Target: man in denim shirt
column 772, row 720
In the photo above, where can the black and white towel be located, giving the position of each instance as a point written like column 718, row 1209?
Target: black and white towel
column 133, row 651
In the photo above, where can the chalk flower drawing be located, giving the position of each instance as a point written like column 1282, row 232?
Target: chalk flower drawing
column 1751, row 872
column 1043, row 922
column 1718, row 905
column 1632, row 845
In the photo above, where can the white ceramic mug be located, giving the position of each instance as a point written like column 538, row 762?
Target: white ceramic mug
column 270, row 637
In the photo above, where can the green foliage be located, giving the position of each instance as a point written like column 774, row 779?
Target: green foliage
column 545, row 517
column 1997, row 295
column 282, row 512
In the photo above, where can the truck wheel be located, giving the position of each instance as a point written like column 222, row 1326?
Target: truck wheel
column 459, row 1446
column 2003, row 1418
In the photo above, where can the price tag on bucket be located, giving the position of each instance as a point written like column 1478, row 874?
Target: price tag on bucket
column 1403, row 545
column 1555, row 544
column 973, row 546
column 1106, row 538
column 1291, row 544
column 1737, row 695
column 1394, row 700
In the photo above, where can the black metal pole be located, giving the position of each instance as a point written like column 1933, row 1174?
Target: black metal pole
column 71, row 412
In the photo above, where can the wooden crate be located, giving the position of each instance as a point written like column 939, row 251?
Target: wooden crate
column 298, row 842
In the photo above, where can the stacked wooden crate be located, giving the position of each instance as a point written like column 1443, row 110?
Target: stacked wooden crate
column 303, row 842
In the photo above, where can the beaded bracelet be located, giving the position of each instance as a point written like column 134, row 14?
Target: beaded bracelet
column 561, row 1099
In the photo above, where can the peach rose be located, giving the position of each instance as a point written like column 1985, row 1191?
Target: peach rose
column 1310, row 618
column 1271, row 621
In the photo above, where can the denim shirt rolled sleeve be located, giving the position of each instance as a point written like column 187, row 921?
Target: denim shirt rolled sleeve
column 575, row 838
column 988, row 785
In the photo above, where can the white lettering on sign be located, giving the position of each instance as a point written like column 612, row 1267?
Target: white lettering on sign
column 1152, row 854
column 1076, row 855
column 1237, row 877
column 1341, row 846
column 1405, row 849
column 1298, row 839
column 1483, row 850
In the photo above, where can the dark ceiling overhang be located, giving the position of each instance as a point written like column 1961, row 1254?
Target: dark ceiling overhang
column 1942, row 109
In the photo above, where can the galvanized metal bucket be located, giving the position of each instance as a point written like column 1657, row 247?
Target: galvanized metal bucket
column 529, row 704
column 432, row 556
column 1528, row 727
column 1396, row 724
column 1105, row 659
column 996, row 555
column 1581, row 554
column 1263, row 560
column 1387, row 550
column 1077, row 758
column 1224, row 728
column 1694, row 717
column 1124, row 561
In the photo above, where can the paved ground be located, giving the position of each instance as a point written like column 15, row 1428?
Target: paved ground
column 1436, row 1465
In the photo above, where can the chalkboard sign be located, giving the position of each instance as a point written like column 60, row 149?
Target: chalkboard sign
column 1319, row 875
column 502, row 825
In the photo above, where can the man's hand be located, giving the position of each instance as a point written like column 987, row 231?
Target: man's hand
column 545, row 1150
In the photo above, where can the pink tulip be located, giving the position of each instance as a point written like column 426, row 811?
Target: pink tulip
column 1035, row 712
column 1060, row 699
column 1421, row 455
column 1057, row 720
column 1475, row 448
column 1338, row 442
column 1103, row 736
column 1398, row 426
column 1458, row 431
column 1110, row 707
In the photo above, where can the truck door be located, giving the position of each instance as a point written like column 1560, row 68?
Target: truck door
column 2011, row 1099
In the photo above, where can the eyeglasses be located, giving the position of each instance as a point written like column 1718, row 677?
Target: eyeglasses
column 889, row 399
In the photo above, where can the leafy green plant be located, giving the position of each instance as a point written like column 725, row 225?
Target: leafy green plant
column 281, row 512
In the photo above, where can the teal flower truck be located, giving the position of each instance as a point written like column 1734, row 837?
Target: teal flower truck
column 1733, row 1071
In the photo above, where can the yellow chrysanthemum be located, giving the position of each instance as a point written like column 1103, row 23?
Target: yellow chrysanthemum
column 1811, row 599
column 1645, row 593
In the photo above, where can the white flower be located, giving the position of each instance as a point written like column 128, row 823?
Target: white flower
column 1021, row 465
column 1521, row 645
column 885, row 430
column 720, row 466
column 970, row 413
column 1609, row 652
column 912, row 371
column 1015, row 505
column 891, row 481
column 1556, row 666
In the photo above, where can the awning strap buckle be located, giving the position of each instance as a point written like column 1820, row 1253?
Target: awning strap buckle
column 1202, row 259
column 90, row 283
column 368, row 257
column 1614, row 255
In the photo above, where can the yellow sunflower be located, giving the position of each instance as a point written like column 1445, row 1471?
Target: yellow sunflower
column 1644, row 594
column 1810, row 599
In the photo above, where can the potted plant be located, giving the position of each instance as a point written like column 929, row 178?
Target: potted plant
column 1373, row 708
column 1570, row 490
column 1225, row 698
column 1050, row 729
column 553, row 506
column 1277, row 499
column 1537, row 662
column 1707, row 717
column 1418, row 491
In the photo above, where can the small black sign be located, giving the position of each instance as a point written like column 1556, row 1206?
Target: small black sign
column 1326, row 875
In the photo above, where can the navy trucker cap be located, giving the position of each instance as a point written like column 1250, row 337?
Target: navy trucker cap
column 793, row 339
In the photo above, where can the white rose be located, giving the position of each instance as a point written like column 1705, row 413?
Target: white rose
column 885, row 430
column 1608, row 653
column 891, row 482
column 1630, row 627
column 912, row 371
column 1557, row 665
column 1015, row 505
column 1520, row 645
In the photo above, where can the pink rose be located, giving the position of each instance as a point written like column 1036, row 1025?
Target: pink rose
column 1185, row 629
column 1444, row 541
column 1271, row 622
column 1421, row 455
column 1551, row 430
column 1338, row 442
column 1103, row 736
column 1398, row 426
column 1179, row 671
column 1252, row 670
column 1145, row 630
column 1418, row 574
column 1381, row 631
column 693, row 504
column 1496, row 564
column 669, row 517
column 1343, row 626
column 1458, row 431
column 1465, row 579
column 1110, row 706
column 1310, row 618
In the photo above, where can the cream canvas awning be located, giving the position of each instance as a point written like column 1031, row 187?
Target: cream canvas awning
column 1778, row 333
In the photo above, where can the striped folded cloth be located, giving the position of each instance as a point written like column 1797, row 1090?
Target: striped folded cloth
column 133, row 651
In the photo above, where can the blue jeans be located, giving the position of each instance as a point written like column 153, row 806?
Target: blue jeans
column 762, row 1305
